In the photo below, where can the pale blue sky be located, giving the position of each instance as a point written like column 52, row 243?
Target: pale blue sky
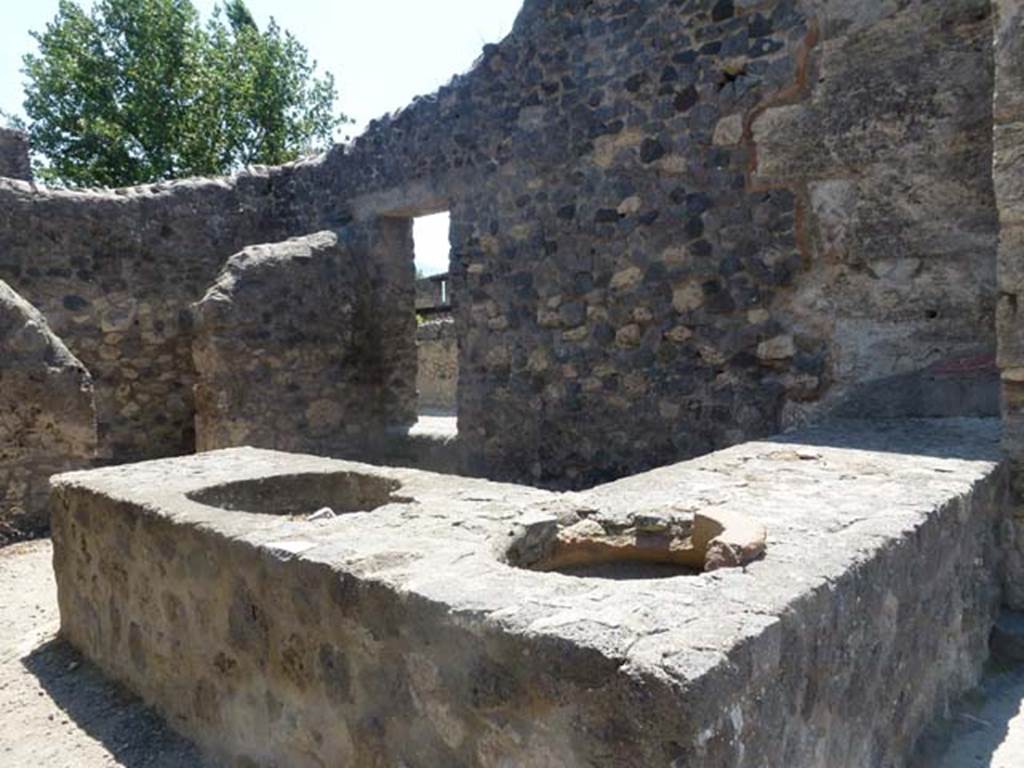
column 382, row 53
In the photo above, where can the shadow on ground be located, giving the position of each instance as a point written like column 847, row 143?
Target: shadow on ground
column 986, row 729
column 134, row 735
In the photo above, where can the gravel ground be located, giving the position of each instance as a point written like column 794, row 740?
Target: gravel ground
column 56, row 710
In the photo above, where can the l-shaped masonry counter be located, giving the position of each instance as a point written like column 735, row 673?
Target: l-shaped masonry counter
column 298, row 611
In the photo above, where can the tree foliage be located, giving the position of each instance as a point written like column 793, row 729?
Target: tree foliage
column 140, row 90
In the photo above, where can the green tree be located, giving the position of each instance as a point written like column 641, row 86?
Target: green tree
column 140, row 90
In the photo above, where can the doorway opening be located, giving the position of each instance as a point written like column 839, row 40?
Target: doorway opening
column 436, row 339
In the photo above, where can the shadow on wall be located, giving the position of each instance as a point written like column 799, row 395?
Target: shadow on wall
column 967, row 386
column 894, row 436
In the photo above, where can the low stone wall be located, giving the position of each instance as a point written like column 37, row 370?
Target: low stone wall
column 402, row 635
column 306, row 345
column 14, row 159
column 47, row 415
column 437, row 376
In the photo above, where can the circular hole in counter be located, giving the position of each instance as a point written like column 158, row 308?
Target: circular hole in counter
column 309, row 495
column 593, row 549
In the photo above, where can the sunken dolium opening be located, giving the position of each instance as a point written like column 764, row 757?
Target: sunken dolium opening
column 310, row 496
column 645, row 547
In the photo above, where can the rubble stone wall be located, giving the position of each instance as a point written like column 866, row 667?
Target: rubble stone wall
column 1008, row 171
column 295, row 342
column 14, row 160
column 115, row 272
column 437, row 375
column 47, row 415
column 677, row 226
column 674, row 226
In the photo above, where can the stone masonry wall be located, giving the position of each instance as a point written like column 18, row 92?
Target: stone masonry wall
column 678, row 225
column 114, row 272
column 888, row 153
column 1008, row 171
column 437, row 373
column 392, row 273
column 675, row 226
column 47, row 415
column 292, row 349
column 14, row 160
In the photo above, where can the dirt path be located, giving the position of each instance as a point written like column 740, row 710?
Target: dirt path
column 57, row 711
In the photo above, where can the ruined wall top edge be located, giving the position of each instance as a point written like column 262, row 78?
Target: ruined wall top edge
column 14, row 155
column 168, row 187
